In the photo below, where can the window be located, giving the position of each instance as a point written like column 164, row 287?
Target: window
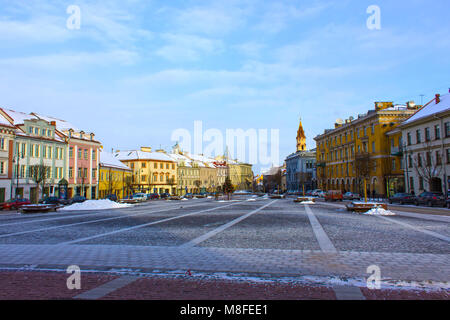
column 49, row 152
column 427, row 134
column 2, row 143
column 421, row 183
column 70, row 172
column 411, row 183
column 438, row 158
column 36, row 151
column 410, row 162
column 85, row 154
column 409, row 139
column 132, row 166
column 85, row 173
column 30, row 130
column 448, row 155
column 161, row 166
column 36, row 131
column 428, row 155
column 418, row 137
column 419, row 160
column 373, row 146
column 437, row 132
column 173, row 166
column 94, row 173
column 167, row 166
column 79, row 153
column 394, row 165
column 71, row 152
column 373, row 129
column 44, row 152
column 2, row 167
column 44, row 132
column 79, row 173
column 94, row 154
column 447, row 129
column 155, row 166
column 144, row 165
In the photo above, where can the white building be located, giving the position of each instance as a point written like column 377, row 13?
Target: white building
column 426, row 147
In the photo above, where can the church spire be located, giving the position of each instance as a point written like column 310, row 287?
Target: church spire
column 301, row 138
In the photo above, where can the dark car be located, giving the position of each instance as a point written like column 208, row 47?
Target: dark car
column 14, row 204
column 402, row 198
column 351, row 196
column 164, row 195
column 188, row 196
column 431, row 199
column 50, row 200
column 111, row 197
column 78, row 199
column 153, row 196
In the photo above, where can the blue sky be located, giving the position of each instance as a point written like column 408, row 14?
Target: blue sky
column 137, row 70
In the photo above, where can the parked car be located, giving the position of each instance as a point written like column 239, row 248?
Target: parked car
column 50, row 200
column 316, row 192
column 402, row 198
column 321, row 194
column 140, row 197
column 334, row 195
column 152, row 196
column 77, row 199
column 164, row 195
column 351, row 196
column 431, row 199
column 188, row 196
column 111, row 197
column 309, row 193
column 448, row 202
column 14, row 204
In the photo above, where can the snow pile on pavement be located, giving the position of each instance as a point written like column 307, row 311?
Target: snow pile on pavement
column 251, row 200
column 95, row 205
column 379, row 212
column 307, row 202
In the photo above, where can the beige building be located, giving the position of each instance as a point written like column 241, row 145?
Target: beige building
column 153, row 172
column 7, row 134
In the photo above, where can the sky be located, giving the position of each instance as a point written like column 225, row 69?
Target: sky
column 136, row 71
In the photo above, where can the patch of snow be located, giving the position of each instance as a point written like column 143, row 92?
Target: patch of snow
column 95, row 205
column 184, row 199
column 379, row 212
column 251, row 200
column 308, row 202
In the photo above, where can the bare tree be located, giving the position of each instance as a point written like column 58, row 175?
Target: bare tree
column 128, row 182
column 39, row 174
column 364, row 165
column 428, row 165
column 112, row 181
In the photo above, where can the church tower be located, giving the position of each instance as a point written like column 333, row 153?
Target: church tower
column 301, row 138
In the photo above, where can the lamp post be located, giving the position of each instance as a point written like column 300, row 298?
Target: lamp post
column 17, row 158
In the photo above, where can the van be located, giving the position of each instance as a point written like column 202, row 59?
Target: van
column 334, row 195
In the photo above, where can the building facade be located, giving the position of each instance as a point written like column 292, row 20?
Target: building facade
column 301, row 166
column 114, row 177
column 153, row 172
column 426, row 147
column 7, row 136
column 38, row 158
column 356, row 154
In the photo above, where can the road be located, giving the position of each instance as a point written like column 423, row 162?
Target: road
column 247, row 238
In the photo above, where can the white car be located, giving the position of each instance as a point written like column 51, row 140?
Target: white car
column 141, row 197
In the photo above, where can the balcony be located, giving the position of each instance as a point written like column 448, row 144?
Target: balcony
column 397, row 151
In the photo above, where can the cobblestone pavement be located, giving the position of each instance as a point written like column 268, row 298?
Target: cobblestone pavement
column 272, row 239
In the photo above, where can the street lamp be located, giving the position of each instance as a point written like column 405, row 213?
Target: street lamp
column 17, row 158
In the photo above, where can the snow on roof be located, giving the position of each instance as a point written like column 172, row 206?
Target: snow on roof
column 140, row 155
column 61, row 125
column 431, row 108
column 107, row 159
column 19, row 117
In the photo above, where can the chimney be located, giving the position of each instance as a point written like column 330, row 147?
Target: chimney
column 438, row 98
column 53, row 123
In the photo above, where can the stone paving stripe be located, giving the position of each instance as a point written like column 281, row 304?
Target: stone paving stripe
column 423, row 216
column 430, row 233
column 324, row 242
column 86, row 222
column 107, row 288
column 214, row 232
column 143, row 225
column 348, row 293
column 73, row 215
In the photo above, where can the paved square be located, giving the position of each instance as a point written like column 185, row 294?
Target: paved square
column 276, row 239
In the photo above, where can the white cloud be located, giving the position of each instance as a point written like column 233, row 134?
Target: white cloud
column 182, row 47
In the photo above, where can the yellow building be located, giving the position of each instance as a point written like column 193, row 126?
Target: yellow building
column 114, row 177
column 241, row 174
column 153, row 172
column 360, row 150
